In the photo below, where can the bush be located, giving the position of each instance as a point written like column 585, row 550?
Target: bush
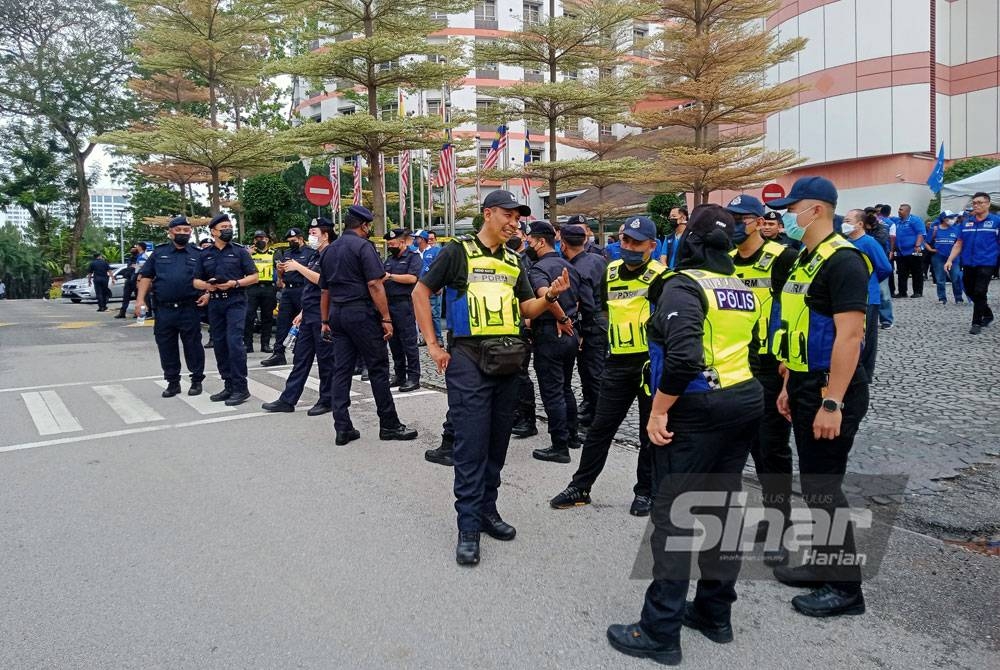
column 958, row 171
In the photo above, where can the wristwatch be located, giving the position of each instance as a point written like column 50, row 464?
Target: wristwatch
column 831, row 405
column 325, row 322
column 565, row 319
column 549, row 297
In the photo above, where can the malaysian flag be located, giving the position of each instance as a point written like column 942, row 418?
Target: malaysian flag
column 446, row 171
column 335, row 180
column 496, row 149
column 404, row 182
column 357, row 180
column 526, row 181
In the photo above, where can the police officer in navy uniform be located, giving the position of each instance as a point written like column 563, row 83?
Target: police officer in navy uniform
column 402, row 269
column 482, row 313
column 310, row 344
column 261, row 295
column 554, row 342
column 169, row 271
column 291, row 283
column 355, row 314
column 225, row 270
column 592, row 324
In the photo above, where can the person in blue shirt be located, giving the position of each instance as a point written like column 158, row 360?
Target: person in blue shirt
column 977, row 247
column 666, row 252
column 853, row 228
column 940, row 242
column 910, row 234
column 428, row 249
column 613, row 251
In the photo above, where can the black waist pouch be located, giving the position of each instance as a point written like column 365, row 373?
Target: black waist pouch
column 502, row 356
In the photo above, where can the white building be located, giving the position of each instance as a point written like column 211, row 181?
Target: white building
column 108, row 206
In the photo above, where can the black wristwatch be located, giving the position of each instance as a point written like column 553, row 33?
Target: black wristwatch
column 553, row 298
column 325, row 322
column 831, row 405
column 565, row 319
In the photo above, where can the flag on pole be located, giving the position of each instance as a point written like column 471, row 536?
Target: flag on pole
column 404, row 182
column 526, row 181
column 357, row 179
column 496, row 149
column 335, row 180
column 936, row 180
column 445, row 174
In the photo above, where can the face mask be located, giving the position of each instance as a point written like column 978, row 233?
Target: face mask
column 294, row 246
column 181, row 239
column 226, row 234
column 395, row 251
column 740, row 233
column 632, row 258
column 313, row 242
column 531, row 253
column 792, row 227
column 848, row 229
column 260, row 244
column 514, row 244
column 673, row 221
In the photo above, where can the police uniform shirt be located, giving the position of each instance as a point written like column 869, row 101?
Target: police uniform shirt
column 231, row 262
column 311, row 292
column 347, row 266
column 592, row 270
column 406, row 263
column 545, row 271
column 172, row 270
column 655, row 288
column 99, row 268
column 303, row 255
column 841, row 285
column 780, row 271
column 451, row 270
column 264, row 262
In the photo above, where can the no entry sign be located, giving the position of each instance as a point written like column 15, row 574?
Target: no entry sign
column 319, row 190
column 772, row 192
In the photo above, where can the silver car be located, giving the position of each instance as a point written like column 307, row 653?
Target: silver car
column 78, row 290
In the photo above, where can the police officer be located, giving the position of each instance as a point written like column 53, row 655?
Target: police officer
column 484, row 319
column 554, row 342
column 225, row 270
column 821, row 334
column 131, row 276
column 703, row 417
column 310, row 343
column 169, row 271
column 99, row 274
column 291, row 283
column 355, row 313
column 402, row 269
column 525, row 420
column 592, row 324
column 764, row 266
column 261, row 295
column 630, row 288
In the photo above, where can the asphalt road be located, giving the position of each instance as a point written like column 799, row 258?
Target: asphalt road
column 138, row 532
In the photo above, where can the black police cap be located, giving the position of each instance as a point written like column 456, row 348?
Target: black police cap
column 219, row 218
column 178, row 221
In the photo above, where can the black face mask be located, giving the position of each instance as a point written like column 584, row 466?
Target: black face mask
column 531, row 253
column 260, row 244
column 226, row 234
column 514, row 244
column 181, row 239
column 395, row 251
column 293, row 245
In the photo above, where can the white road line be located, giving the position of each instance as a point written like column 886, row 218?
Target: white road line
column 49, row 413
column 311, row 382
column 402, row 396
column 262, row 391
column 200, row 403
column 127, row 405
column 130, row 431
column 18, row 389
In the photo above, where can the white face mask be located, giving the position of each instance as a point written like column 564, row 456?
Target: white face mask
column 313, row 242
column 848, row 228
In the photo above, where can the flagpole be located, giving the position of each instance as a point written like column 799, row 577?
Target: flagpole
column 479, row 194
column 409, row 184
column 506, row 157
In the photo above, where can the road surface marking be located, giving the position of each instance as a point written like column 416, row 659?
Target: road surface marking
column 262, row 391
column 311, row 382
column 127, row 405
column 18, row 389
column 49, row 413
column 70, row 325
column 200, row 403
column 130, row 431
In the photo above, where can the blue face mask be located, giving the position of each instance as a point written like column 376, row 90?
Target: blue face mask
column 792, row 227
column 740, row 233
column 632, row 258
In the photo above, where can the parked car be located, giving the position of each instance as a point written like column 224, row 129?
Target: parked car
column 78, row 290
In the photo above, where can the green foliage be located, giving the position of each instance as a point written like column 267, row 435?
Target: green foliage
column 265, row 199
column 477, row 222
column 958, row 171
column 21, row 265
column 659, row 210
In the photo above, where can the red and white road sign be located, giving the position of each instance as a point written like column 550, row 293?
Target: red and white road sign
column 772, row 192
column 319, row 190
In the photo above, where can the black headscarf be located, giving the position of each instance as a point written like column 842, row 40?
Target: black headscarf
column 706, row 243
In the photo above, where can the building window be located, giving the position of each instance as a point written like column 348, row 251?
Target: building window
column 571, row 123
column 486, row 14
column 569, row 74
column 532, row 13
column 536, row 154
column 604, row 130
column 639, row 36
column 484, row 151
column 438, row 15
column 486, row 69
column 533, row 75
column 390, row 109
column 485, row 108
column 346, row 111
column 388, row 65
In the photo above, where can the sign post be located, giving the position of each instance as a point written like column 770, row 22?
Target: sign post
column 319, row 190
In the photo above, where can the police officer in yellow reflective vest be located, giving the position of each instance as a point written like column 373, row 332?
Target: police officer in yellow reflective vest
column 631, row 287
column 704, row 414
column 261, row 295
column 820, row 338
column 487, row 294
column 764, row 266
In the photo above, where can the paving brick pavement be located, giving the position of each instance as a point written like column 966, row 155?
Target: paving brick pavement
column 933, row 410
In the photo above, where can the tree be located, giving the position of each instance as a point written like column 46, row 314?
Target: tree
column 712, row 58
column 266, row 198
column 958, row 171
column 21, row 266
column 67, row 62
column 597, row 35
column 389, row 50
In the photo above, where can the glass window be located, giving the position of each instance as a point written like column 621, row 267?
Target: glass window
column 486, row 10
column 532, row 13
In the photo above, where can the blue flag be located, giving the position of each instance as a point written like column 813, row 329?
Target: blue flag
column 936, row 180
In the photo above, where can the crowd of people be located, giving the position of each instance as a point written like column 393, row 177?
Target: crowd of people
column 742, row 326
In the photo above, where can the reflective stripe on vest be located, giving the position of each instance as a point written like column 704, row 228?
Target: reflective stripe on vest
column 804, row 340
column 489, row 306
column 628, row 308
column 757, row 277
column 264, row 261
column 732, row 312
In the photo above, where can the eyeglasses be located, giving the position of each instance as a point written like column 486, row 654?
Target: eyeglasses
column 980, row 202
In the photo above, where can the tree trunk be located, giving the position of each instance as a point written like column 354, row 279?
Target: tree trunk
column 83, row 211
column 216, row 205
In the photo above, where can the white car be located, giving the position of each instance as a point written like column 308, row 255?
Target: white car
column 78, row 290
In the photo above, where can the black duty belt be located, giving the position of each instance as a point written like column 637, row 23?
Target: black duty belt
column 175, row 305
column 222, row 295
column 287, row 285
